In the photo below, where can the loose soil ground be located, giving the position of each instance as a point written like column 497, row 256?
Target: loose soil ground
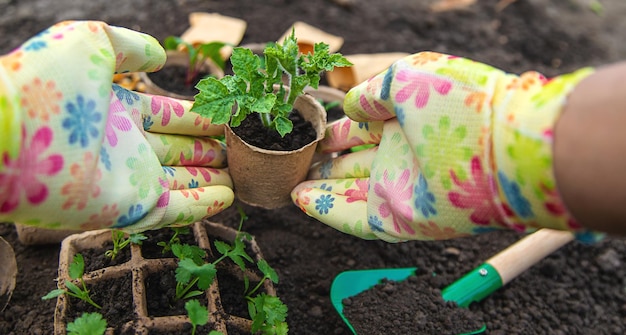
column 580, row 289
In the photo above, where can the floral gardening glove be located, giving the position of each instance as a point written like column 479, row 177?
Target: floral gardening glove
column 462, row 148
column 80, row 153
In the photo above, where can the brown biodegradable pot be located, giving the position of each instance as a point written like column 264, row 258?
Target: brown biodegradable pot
column 177, row 58
column 30, row 235
column 140, row 268
column 265, row 178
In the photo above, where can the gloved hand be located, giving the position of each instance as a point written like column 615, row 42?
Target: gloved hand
column 80, row 153
column 461, row 148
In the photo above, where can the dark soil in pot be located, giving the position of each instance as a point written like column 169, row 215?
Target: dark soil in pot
column 161, row 288
column 151, row 249
column 96, row 258
column 115, row 298
column 253, row 132
column 173, row 78
column 577, row 290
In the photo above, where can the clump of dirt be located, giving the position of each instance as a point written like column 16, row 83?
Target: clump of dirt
column 412, row 306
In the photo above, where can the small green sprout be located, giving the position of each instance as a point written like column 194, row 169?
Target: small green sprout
column 596, row 7
column 167, row 246
column 119, row 242
column 87, row 324
column 268, row 312
column 197, row 55
column 252, row 87
column 192, row 271
column 76, row 271
column 329, row 105
column 198, row 314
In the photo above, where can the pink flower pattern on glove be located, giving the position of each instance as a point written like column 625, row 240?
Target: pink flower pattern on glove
column 24, row 174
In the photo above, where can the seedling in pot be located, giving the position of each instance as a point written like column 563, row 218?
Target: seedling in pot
column 119, row 242
column 87, row 324
column 192, row 271
column 268, row 312
column 76, row 271
column 198, row 314
column 167, row 245
column 252, row 89
column 329, row 105
column 197, row 54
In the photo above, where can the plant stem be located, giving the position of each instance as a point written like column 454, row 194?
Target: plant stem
column 181, row 291
column 266, row 119
column 251, row 292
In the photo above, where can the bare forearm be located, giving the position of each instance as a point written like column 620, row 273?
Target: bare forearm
column 590, row 151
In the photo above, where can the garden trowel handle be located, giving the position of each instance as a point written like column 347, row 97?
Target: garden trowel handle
column 505, row 266
column 528, row 251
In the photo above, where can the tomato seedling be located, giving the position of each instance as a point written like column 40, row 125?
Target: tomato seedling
column 252, row 88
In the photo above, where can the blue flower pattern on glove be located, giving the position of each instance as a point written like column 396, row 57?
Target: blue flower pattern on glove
column 125, row 95
column 105, row 159
column 82, row 121
column 516, row 199
column 135, row 213
column 376, row 225
column 324, row 203
column 424, row 199
column 326, row 168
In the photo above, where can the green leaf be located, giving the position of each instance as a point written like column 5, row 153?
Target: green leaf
column 177, row 250
column 267, row 271
column 238, row 254
column 192, row 294
column 214, row 101
column 266, row 312
column 222, row 247
column 171, row 42
column 283, row 125
column 137, row 238
column 275, row 310
column 206, row 273
column 273, row 72
column 264, row 104
column 198, row 314
column 186, row 251
column 53, row 294
column 184, row 271
column 187, row 269
column 75, row 289
column 212, row 51
column 77, row 267
column 87, row 324
column 281, row 328
column 197, row 254
column 245, row 64
column 286, row 54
